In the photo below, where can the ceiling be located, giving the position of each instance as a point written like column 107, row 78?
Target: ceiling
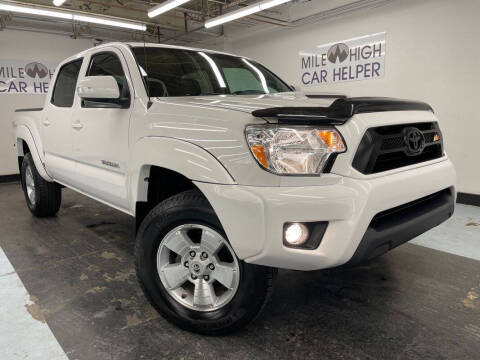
column 182, row 25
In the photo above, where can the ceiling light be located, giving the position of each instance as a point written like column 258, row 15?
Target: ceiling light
column 272, row 3
column 232, row 16
column 164, row 7
column 35, row 11
column 70, row 16
column 108, row 22
column 248, row 10
column 58, row 2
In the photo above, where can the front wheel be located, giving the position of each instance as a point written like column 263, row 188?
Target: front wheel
column 190, row 273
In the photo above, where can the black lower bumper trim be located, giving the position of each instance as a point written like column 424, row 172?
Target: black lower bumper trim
column 391, row 228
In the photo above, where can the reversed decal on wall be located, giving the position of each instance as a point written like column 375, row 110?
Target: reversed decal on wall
column 25, row 77
column 361, row 58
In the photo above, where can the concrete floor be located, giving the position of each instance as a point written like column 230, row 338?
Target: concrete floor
column 414, row 302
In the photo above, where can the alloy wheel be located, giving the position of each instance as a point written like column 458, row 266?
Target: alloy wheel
column 30, row 185
column 198, row 267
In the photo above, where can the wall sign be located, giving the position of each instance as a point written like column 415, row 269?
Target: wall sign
column 361, row 58
column 25, row 77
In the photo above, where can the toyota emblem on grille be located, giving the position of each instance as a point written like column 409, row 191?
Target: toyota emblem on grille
column 414, row 140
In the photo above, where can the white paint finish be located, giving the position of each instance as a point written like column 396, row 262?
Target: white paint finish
column 431, row 56
column 100, row 140
column 460, row 235
column 55, row 123
column 109, row 185
column 203, row 139
column 98, row 87
column 22, row 336
column 28, row 46
column 28, row 134
column 185, row 158
column 217, row 124
column 247, row 103
column 253, row 217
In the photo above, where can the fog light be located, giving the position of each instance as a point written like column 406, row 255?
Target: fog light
column 296, row 234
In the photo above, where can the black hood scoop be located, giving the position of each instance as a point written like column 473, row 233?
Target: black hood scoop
column 339, row 111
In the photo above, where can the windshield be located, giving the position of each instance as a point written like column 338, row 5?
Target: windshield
column 178, row 72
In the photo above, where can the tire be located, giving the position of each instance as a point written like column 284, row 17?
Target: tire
column 188, row 213
column 47, row 196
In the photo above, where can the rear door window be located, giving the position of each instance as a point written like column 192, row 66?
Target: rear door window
column 64, row 90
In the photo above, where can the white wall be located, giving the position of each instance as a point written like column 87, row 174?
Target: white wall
column 24, row 45
column 433, row 54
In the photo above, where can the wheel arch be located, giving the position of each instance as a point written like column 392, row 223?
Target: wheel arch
column 163, row 167
column 25, row 143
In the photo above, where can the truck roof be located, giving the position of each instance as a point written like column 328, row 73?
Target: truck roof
column 176, row 47
column 141, row 44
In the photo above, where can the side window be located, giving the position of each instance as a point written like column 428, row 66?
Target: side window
column 108, row 64
column 64, row 90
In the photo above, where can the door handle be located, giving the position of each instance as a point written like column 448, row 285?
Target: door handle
column 46, row 122
column 77, row 126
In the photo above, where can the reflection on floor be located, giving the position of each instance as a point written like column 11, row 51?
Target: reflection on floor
column 414, row 302
column 460, row 235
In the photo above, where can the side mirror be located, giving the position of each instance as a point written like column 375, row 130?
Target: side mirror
column 98, row 88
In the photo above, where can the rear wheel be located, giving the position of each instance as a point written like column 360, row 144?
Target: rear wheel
column 190, row 273
column 43, row 197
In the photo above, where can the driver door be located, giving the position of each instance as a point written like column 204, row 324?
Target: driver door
column 100, row 138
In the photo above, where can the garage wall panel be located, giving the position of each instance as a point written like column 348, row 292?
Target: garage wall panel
column 23, row 45
column 432, row 55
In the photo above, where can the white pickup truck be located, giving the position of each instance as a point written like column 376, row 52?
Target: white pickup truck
column 231, row 173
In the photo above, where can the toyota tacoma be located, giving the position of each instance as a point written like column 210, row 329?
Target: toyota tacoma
column 230, row 172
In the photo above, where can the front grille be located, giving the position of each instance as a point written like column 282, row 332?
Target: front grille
column 385, row 148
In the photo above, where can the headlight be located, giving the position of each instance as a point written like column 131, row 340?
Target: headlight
column 293, row 150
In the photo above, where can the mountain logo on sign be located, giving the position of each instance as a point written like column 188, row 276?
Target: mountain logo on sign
column 337, row 52
column 35, row 69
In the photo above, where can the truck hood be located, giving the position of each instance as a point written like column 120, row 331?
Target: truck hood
column 299, row 107
column 217, row 123
column 251, row 103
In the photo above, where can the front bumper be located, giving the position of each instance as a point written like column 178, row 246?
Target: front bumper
column 253, row 217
